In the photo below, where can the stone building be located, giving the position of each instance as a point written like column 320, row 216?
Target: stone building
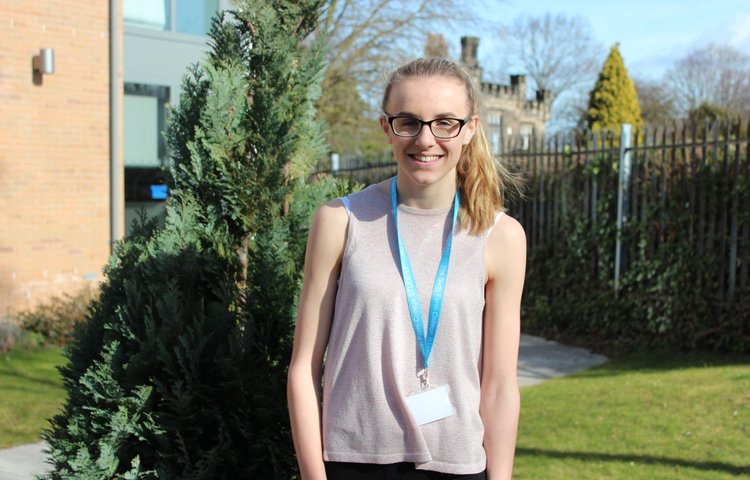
column 510, row 117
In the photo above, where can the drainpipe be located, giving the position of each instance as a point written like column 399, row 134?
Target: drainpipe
column 114, row 126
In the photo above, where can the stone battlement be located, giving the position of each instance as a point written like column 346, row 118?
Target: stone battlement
column 516, row 93
column 508, row 106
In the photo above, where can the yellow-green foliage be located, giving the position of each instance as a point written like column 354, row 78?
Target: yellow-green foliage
column 614, row 100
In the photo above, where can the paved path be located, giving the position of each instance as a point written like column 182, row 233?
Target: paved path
column 22, row 463
column 538, row 360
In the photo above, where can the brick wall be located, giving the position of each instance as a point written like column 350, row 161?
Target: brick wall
column 54, row 150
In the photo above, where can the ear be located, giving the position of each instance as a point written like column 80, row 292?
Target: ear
column 469, row 129
column 386, row 127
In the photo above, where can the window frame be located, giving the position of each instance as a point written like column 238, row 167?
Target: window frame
column 171, row 21
column 161, row 93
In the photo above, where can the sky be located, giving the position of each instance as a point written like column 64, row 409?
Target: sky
column 652, row 33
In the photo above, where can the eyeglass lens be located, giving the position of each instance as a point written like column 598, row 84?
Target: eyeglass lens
column 440, row 127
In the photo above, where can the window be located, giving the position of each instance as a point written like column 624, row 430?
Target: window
column 497, row 146
column 495, row 118
column 526, row 132
column 145, row 150
column 495, row 123
column 144, row 121
column 184, row 16
column 194, row 16
column 147, row 13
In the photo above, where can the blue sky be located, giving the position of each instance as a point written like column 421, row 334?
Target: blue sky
column 651, row 33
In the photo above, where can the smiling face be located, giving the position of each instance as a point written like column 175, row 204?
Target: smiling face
column 425, row 161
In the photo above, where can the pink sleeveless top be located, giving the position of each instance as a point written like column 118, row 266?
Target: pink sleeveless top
column 373, row 358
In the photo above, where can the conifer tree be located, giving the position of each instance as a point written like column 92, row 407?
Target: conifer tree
column 179, row 370
column 614, row 100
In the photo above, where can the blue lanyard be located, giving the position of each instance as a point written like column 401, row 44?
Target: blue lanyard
column 410, row 285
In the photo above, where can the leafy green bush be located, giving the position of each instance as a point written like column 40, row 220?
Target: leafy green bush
column 613, row 100
column 669, row 292
column 10, row 333
column 13, row 337
column 56, row 319
column 179, row 371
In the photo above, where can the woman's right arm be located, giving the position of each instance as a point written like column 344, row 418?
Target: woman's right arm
column 325, row 246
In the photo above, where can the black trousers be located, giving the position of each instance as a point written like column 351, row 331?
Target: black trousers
column 394, row 471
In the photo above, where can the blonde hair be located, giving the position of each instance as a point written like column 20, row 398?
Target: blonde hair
column 482, row 182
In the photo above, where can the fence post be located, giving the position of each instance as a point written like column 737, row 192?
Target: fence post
column 335, row 162
column 626, row 141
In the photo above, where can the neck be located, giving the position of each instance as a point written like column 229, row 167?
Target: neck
column 427, row 197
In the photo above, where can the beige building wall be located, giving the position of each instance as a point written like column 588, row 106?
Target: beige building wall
column 511, row 116
column 54, row 150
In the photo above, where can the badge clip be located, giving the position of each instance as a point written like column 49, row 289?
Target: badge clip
column 424, row 378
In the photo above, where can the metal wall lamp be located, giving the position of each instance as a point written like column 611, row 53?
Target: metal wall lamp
column 44, row 63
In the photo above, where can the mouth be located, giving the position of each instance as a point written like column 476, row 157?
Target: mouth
column 422, row 158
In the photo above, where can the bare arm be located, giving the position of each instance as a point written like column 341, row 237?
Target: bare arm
column 322, row 265
column 500, row 399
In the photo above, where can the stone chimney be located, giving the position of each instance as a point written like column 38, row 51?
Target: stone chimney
column 469, row 46
column 544, row 97
column 518, row 83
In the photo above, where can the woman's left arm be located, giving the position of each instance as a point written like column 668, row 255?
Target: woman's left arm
column 500, row 402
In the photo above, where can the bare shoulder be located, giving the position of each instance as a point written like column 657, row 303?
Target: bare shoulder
column 507, row 233
column 332, row 214
column 506, row 248
column 329, row 225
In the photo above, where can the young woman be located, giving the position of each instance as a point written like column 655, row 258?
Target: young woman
column 412, row 291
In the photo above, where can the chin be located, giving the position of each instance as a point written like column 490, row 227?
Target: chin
column 425, row 176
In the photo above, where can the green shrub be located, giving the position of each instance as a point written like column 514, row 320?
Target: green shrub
column 613, row 100
column 13, row 337
column 56, row 319
column 669, row 294
column 179, row 371
column 10, row 333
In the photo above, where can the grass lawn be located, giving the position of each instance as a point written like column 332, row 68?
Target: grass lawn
column 31, row 391
column 644, row 416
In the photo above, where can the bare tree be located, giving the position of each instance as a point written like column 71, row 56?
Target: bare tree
column 657, row 106
column 370, row 36
column 367, row 39
column 715, row 74
column 558, row 53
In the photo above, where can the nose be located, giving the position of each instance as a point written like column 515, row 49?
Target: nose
column 425, row 137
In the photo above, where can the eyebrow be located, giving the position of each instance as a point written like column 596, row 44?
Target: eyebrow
column 439, row 115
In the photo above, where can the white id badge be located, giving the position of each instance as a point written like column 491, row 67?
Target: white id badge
column 431, row 405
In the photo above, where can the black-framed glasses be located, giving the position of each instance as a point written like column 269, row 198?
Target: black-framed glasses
column 443, row 128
